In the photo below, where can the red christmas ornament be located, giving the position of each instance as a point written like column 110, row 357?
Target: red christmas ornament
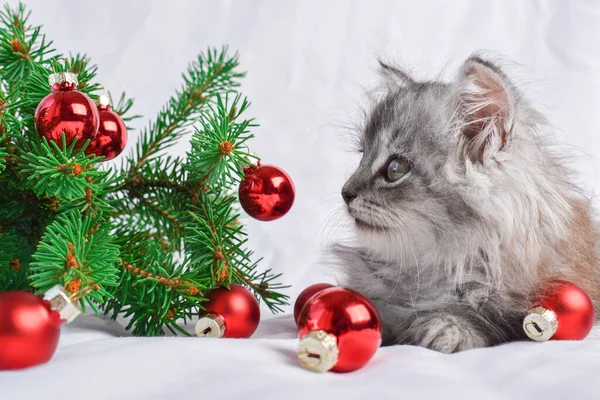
column 30, row 326
column 266, row 193
column 339, row 330
column 230, row 313
column 305, row 295
column 66, row 110
column 112, row 133
column 563, row 312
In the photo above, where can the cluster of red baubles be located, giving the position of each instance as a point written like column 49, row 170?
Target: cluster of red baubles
column 70, row 112
column 266, row 193
column 339, row 329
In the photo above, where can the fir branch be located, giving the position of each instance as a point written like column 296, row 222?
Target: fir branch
column 123, row 108
column 161, row 213
column 79, row 253
column 212, row 74
column 215, row 242
column 3, row 155
column 163, row 173
column 87, row 226
column 67, row 174
column 218, row 149
column 58, row 172
column 154, row 291
column 12, row 276
column 22, row 46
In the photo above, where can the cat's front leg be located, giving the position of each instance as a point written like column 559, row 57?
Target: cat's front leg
column 444, row 332
column 456, row 328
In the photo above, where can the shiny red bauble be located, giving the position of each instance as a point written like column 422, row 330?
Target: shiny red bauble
column 29, row 330
column 266, row 193
column 305, row 295
column 112, row 135
column 350, row 318
column 238, row 309
column 572, row 307
column 66, row 110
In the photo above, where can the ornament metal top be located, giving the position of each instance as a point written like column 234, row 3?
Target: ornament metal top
column 63, row 80
column 540, row 324
column 60, row 301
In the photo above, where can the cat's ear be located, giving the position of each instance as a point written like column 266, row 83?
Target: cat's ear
column 394, row 75
column 485, row 102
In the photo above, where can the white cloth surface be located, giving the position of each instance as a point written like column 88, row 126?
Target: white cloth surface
column 309, row 63
column 92, row 363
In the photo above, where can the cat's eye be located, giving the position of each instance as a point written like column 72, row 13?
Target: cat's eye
column 397, row 168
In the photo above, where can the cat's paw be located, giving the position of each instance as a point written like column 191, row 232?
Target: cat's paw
column 446, row 333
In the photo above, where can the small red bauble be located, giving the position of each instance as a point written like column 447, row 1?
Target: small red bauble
column 562, row 312
column 232, row 313
column 66, row 110
column 305, row 295
column 339, row 330
column 29, row 330
column 112, row 133
column 266, row 193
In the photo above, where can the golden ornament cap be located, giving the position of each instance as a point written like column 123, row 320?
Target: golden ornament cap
column 540, row 324
column 318, row 351
column 211, row 325
column 63, row 77
column 61, row 302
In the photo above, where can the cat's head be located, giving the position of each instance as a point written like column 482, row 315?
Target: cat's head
column 440, row 159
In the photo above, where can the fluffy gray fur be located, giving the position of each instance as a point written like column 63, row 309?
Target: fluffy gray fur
column 452, row 253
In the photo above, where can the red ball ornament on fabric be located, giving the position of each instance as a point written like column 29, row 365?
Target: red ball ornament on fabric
column 562, row 312
column 112, row 133
column 230, row 313
column 339, row 330
column 29, row 330
column 305, row 295
column 266, row 193
column 30, row 326
column 66, row 110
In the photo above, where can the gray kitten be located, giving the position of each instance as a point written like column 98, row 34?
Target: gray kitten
column 462, row 211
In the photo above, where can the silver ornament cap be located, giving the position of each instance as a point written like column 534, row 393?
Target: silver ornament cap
column 211, row 325
column 540, row 324
column 318, row 351
column 103, row 100
column 62, row 77
column 61, row 302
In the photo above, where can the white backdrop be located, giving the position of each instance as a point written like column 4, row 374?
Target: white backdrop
column 309, row 64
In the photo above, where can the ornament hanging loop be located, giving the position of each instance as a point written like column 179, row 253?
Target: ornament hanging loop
column 104, row 98
column 65, row 80
column 58, row 59
column 75, row 297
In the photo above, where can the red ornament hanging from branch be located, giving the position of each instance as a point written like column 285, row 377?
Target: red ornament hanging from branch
column 563, row 311
column 266, row 193
column 30, row 326
column 112, row 133
column 230, row 313
column 339, row 330
column 66, row 110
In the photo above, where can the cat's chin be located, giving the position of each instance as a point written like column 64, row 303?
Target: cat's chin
column 363, row 225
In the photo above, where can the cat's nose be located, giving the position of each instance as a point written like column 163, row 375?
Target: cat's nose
column 348, row 195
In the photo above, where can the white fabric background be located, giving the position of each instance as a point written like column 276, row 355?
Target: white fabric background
column 309, row 64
